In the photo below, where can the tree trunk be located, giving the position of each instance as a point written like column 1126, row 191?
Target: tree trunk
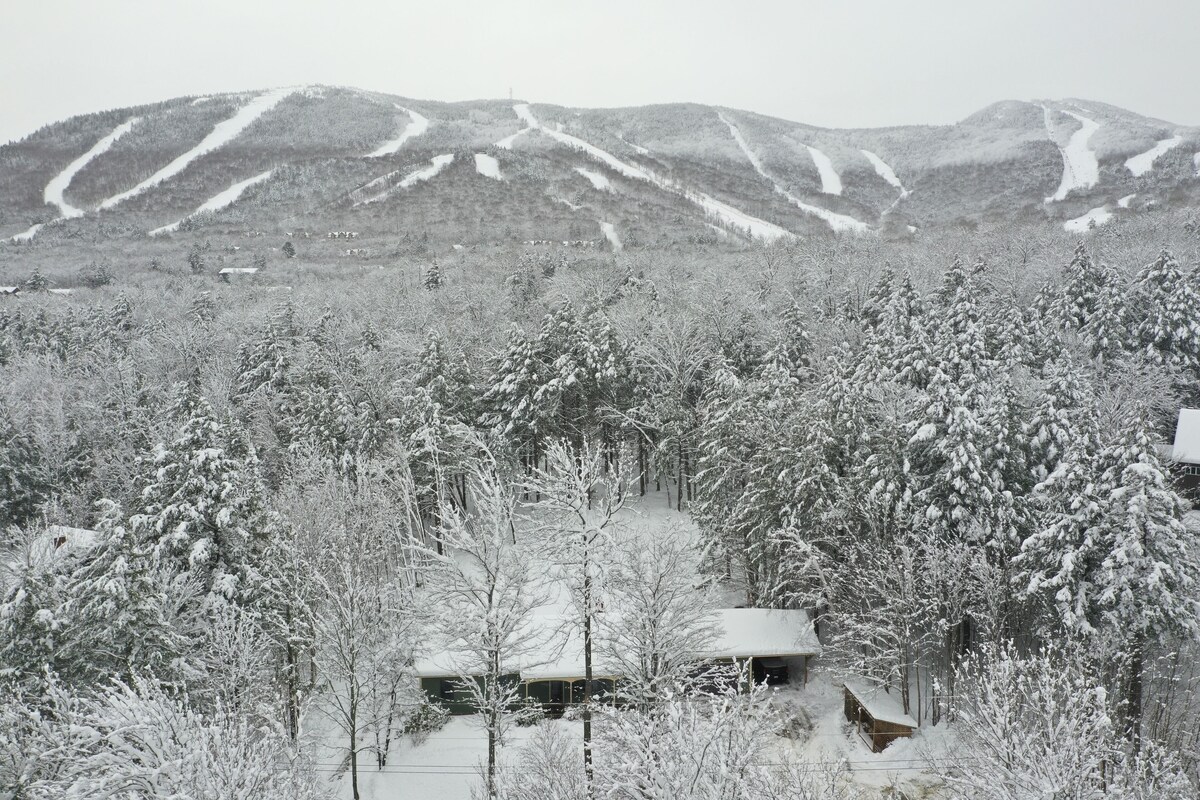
column 354, row 740
column 1137, row 658
column 587, row 669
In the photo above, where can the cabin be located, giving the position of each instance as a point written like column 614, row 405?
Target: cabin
column 9, row 291
column 776, row 645
column 230, row 273
column 877, row 715
column 1183, row 456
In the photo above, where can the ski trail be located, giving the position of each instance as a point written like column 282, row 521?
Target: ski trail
column 1144, row 162
column 637, row 148
column 488, row 166
column 831, row 182
column 25, row 236
column 721, row 211
column 218, row 201
column 884, row 170
column 599, row 181
column 507, row 141
column 838, row 222
column 436, row 165
column 1125, row 201
column 221, row 134
column 610, row 233
column 416, row 126
column 1099, row 215
column 1081, row 170
column 1196, row 162
column 57, row 186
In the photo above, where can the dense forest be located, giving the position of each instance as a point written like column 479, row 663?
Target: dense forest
column 950, row 449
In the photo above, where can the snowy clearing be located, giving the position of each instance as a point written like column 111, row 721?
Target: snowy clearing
column 57, row 186
column 831, row 182
column 722, row 211
column 416, row 126
column 1081, row 169
column 1144, row 162
column 610, row 233
column 637, row 148
column 366, row 194
column 1099, row 215
column 222, row 134
column 25, row 236
column 1126, row 200
column 488, row 166
column 885, row 171
column 566, row 203
column 436, row 165
column 599, row 181
column 217, row 201
column 839, row 222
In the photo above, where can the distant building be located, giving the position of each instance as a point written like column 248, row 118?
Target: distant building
column 1183, row 455
column 9, row 290
column 230, row 273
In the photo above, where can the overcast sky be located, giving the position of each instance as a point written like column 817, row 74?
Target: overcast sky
column 827, row 62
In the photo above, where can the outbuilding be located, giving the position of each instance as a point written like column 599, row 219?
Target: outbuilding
column 878, row 715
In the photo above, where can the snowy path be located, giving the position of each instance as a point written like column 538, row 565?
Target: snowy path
column 599, row 181
column 1081, row 169
column 831, row 182
column 839, row 222
column 416, row 126
column 25, row 236
column 1099, row 215
column 885, row 171
column 436, row 165
column 637, row 148
column 488, row 166
column 610, row 233
column 507, row 141
column 721, row 211
column 57, row 186
column 222, row 133
column 1144, row 162
column 1125, row 201
column 217, row 201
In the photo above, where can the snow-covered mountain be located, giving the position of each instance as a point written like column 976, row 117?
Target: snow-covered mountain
column 339, row 158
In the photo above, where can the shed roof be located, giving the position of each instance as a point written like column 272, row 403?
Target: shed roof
column 879, row 704
column 238, row 271
column 1186, row 449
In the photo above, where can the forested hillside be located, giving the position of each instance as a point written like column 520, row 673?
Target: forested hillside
column 239, row 516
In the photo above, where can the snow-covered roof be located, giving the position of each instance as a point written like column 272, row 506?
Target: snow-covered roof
column 238, row 271
column 1186, row 449
column 9, row 289
column 881, row 705
column 58, row 541
column 745, row 632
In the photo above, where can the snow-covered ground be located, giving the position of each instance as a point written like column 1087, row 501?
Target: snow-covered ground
column 1196, row 163
column 507, row 141
column 831, row 182
column 1125, row 201
column 839, row 222
column 610, row 233
column 1099, row 215
column 25, row 236
column 597, row 180
column 218, row 201
column 417, row 125
column 885, row 171
column 723, row 211
column 1081, row 169
column 221, row 134
column 436, row 165
column 488, row 166
column 1144, row 162
column 637, row 148
column 57, row 186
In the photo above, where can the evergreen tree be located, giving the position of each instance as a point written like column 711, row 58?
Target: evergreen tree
column 433, row 276
column 1167, row 307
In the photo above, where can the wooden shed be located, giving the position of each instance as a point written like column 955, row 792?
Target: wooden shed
column 878, row 716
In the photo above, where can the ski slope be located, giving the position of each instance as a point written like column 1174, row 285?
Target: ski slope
column 884, row 170
column 610, row 233
column 838, row 222
column 1144, row 162
column 724, row 212
column 637, row 148
column 599, row 181
column 1125, row 201
column 57, row 187
column 831, row 182
column 362, row 195
column 1081, row 169
column 1196, row 162
column 488, row 166
column 222, row 133
column 25, row 236
column 507, row 141
column 417, row 125
column 1099, row 215
column 218, row 201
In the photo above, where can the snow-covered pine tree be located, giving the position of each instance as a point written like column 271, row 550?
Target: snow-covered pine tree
column 1167, row 308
